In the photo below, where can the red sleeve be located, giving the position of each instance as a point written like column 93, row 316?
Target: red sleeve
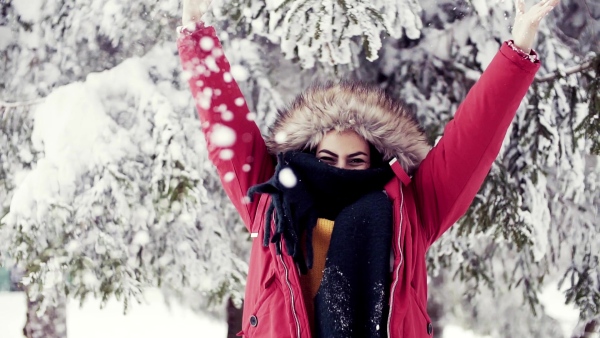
column 454, row 170
column 234, row 142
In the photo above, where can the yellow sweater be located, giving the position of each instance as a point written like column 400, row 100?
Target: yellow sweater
column 312, row 280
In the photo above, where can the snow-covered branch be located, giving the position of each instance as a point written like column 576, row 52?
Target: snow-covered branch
column 5, row 104
column 562, row 73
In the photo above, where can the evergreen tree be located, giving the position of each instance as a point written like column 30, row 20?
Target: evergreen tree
column 534, row 221
column 105, row 186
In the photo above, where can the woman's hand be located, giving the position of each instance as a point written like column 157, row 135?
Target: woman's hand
column 527, row 23
column 193, row 11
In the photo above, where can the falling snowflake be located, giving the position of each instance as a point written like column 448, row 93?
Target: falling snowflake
column 222, row 136
column 287, row 178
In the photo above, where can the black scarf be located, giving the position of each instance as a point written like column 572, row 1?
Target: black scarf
column 352, row 299
column 320, row 191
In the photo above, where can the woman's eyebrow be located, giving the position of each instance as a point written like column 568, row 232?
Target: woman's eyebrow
column 357, row 153
column 328, row 152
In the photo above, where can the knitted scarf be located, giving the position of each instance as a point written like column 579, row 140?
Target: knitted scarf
column 352, row 298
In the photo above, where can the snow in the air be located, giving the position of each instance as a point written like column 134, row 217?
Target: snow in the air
column 226, row 154
column 240, row 73
column 287, row 178
column 207, row 43
column 229, row 176
column 280, row 137
column 239, row 101
column 227, row 77
column 222, row 136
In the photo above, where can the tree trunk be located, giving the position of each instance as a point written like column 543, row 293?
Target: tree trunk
column 435, row 307
column 51, row 324
column 234, row 319
column 592, row 329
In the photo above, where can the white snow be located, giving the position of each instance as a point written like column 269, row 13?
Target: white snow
column 240, row 73
column 287, row 178
column 239, row 101
column 151, row 320
column 453, row 331
column 211, row 64
column 6, row 37
column 29, row 11
column 280, row 137
column 481, row 7
column 141, row 238
column 258, row 26
column 229, row 176
column 70, row 170
column 222, row 136
column 207, row 43
column 226, row 154
column 77, row 115
column 121, row 125
column 227, row 116
column 553, row 301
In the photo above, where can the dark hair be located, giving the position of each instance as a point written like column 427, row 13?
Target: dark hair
column 376, row 157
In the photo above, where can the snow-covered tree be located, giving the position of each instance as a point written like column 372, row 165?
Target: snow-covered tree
column 106, row 186
column 515, row 238
column 535, row 219
column 325, row 31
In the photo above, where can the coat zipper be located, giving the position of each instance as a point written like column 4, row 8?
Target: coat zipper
column 389, row 330
column 287, row 281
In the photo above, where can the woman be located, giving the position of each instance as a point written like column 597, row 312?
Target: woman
column 344, row 178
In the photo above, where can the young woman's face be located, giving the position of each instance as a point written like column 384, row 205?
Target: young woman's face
column 345, row 150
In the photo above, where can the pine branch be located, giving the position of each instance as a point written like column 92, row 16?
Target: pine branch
column 557, row 74
column 4, row 104
column 590, row 126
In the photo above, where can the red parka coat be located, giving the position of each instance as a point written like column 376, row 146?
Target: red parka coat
column 425, row 205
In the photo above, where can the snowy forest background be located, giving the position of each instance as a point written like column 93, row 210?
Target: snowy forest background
column 106, row 190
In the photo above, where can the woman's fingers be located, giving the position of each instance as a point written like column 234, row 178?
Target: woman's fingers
column 550, row 6
column 527, row 22
column 544, row 7
column 193, row 11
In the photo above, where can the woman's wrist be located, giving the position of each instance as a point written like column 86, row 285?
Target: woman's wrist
column 530, row 55
column 190, row 28
column 522, row 49
column 190, row 20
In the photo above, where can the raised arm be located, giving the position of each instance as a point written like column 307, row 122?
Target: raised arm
column 234, row 142
column 452, row 173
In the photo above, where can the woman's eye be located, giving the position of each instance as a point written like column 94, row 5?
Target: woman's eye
column 357, row 161
column 326, row 159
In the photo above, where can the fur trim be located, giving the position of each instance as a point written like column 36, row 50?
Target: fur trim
column 380, row 119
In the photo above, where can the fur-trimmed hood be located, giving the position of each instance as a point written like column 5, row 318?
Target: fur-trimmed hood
column 380, row 119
